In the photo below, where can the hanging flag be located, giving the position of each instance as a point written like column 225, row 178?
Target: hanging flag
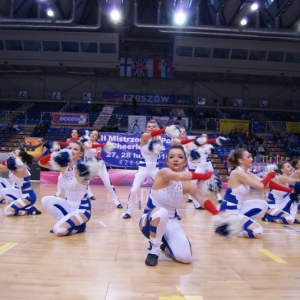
column 166, row 68
column 125, row 66
column 139, row 68
column 153, row 67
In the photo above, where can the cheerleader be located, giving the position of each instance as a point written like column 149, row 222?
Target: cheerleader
column 239, row 183
column 20, row 195
column 204, row 149
column 73, row 212
column 150, row 146
column 183, row 140
column 158, row 222
column 296, row 173
column 282, row 204
column 74, row 137
column 93, row 149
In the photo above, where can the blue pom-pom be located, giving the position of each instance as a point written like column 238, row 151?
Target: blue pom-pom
column 11, row 164
column 62, row 159
column 83, row 169
column 214, row 184
column 88, row 168
column 194, row 154
column 297, row 187
column 222, row 230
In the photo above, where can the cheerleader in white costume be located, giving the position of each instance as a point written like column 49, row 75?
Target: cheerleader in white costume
column 296, row 173
column 20, row 195
column 73, row 212
column 150, row 146
column 240, row 181
column 282, row 207
column 158, row 222
column 74, row 137
column 92, row 149
column 186, row 143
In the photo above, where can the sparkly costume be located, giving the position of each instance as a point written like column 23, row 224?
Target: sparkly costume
column 168, row 231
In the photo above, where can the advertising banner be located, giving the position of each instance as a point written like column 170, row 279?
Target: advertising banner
column 74, row 119
column 227, row 125
column 293, row 127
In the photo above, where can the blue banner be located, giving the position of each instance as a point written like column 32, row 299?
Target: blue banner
column 147, row 98
column 127, row 151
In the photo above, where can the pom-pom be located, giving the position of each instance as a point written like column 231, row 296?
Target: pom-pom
column 109, row 146
column 200, row 140
column 173, row 131
column 227, row 225
column 194, row 156
column 13, row 163
column 85, row 137
column 60, row 159
column 297, row 187
column 155, row 146
column 295, row 197
column 88, row 168
column 271, row 168
column 209, row 148
column 210, row 186
column 56, row 147
column 220, row 139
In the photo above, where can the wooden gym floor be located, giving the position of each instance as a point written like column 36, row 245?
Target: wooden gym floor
column 107, row 261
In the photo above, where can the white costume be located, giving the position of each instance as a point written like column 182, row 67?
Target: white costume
column 64, row 210
column 168, row 231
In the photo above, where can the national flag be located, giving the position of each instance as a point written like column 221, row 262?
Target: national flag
column 125, row 66
column 139, row 68
column 166, row 68
column 153, row 67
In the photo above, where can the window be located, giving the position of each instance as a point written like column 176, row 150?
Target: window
column 257, row 55
column 15, row 45
column 221, row 53
column 202, row 52
column 239, row 54
column 184, row 51
column 51, row 46
column 32, row 45
column 108, row 48
column 275, row 56
column 89, row 47
column 293, row 57
column 70, row 46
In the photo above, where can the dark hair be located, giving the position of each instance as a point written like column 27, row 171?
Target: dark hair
column 234, row 156
column 176, row 146
column 295, row 162
column 25, row 157
column 79, row 144
column 78, row 131
column 280, row 166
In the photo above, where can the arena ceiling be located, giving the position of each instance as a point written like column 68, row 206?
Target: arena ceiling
column 149, row 23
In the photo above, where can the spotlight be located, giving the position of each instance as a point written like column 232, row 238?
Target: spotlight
column 115, row 15
column 244, row 21
column 50, row 12
column 254, row 6
column 180, row 18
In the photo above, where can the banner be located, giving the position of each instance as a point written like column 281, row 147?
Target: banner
column 61, row 118
column 34, row 147
column 293, row 127
column 227, row 125
column 137, row 124
column 147, row 98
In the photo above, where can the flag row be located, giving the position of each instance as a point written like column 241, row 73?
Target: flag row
column 137, row 67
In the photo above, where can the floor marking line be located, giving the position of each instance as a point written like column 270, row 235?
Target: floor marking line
column 6, row 247
column 273, row 256
column 102, row 224
column 291, row 228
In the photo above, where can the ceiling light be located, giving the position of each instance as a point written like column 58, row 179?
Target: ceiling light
column 254, row 6
column 50, row 12
column 115, row 15
column 244, row 21
column 180, row 18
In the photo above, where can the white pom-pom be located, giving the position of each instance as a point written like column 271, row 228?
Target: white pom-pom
column 173, row 131
column 89, row 167
column 56, row 147
column 271, row 168
column 157, row 147
column 211, row 186
column 201, row 140
column 227, row 225
column 208, row 148
column 109, row 146
column 19, row 163
column 60, row 159
column 218, row 140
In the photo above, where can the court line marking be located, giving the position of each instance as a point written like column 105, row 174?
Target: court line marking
column 291, row 228
column 272, row 256
column 6, row 247
column 102, row 224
